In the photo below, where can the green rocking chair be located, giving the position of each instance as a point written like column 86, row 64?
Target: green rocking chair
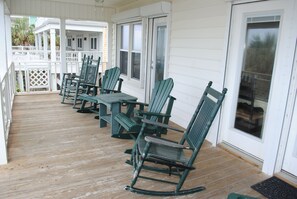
column 161, row 151
column 68, row 78
column 131, row 120
column 87, row 84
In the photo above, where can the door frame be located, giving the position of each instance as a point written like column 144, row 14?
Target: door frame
column 291, row 105
column 151, row 35
column 271, row 143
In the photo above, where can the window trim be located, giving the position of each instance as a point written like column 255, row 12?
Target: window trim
column 69, row 39
column 77, row 42
column 92, row 38
column 130, row 50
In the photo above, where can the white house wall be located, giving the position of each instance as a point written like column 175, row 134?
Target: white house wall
column 196, row 54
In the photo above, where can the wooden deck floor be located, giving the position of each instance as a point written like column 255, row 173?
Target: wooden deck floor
column 55, row 152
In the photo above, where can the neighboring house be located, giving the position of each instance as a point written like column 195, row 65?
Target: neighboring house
column 80, row 35
column 247, row 46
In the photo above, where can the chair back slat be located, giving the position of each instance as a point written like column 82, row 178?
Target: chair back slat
column 160, row 94
column 92, row 72
column 201, row 124
column 83, row 71
column 110, row 79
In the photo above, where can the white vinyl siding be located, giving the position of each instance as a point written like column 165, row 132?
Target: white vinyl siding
column 197, row 53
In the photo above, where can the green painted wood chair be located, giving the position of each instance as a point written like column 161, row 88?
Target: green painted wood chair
column 109, row 82
column 131, row 119
column 239, row 196
column 160, row 151
column 68, row 78
column 87, row 84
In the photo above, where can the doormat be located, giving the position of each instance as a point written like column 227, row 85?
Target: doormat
column 274, row 188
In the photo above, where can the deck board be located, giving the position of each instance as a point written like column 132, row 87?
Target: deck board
column 55, row 152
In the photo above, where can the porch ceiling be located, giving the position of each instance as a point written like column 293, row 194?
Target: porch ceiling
column 104, row 3
column 93, row 10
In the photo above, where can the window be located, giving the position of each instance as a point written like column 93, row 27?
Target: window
column 130, row 47
column 79, row 42
column 124, row 49
column 69, row 44
column 136, row 51
column 93, row 43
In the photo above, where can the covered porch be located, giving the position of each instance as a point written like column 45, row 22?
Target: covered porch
column 55, row 152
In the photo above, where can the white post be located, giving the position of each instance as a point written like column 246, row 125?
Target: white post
column 39, row 41
column 63, row 68
column 36, row 41
column 45, row 45
column 3, row 49
column 110, row 36
column 3, row 69
column 20, row 79
column 53, row 59
column 53, row 44
column 3, row 147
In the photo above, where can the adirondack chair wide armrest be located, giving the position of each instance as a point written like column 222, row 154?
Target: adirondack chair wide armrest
column 124, row 102
column 141, row 112
column 161, row 125
column 164, row 142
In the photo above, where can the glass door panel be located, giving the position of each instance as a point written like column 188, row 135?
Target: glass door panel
column 160, row 53
column 257, row 66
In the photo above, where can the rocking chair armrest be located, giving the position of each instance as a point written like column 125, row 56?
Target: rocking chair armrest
column 161, row 125
column 164, row 142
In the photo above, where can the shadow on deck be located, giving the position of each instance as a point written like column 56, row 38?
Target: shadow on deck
column 55, row 152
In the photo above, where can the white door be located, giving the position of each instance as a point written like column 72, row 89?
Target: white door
column 257, row 76
column 290, row 159
column 158, row 52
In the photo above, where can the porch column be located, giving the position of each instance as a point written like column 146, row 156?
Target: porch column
column 53, row 44
column 45, row 55
column 36, row 41
column 53, row 59
column 39, row 41
column 3, row 69
column 110, row 36
column 62, row 48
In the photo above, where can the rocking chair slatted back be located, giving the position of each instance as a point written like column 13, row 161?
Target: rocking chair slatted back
column 203, row 117
column 92, row 72
column 84, row 66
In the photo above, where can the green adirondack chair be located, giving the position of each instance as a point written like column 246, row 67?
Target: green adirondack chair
column 157, row 150
column 110, row 80
column 131, row 120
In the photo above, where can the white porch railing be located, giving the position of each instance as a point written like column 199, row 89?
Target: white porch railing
column 7, row 92
column 23, row 54
column 34, row 76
